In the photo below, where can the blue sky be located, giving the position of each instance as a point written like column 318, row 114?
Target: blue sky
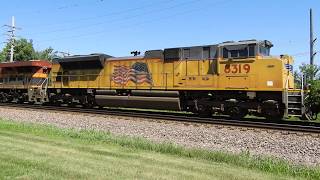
column 118, row 27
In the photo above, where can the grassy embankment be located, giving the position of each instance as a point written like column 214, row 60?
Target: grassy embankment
column 36, row 152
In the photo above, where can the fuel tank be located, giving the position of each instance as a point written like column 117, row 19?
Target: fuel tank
column 162, row 100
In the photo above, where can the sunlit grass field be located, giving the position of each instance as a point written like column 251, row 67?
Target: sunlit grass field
column 29, row 151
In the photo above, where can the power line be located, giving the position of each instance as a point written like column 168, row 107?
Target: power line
column 120, row 19
column 139, row 23
column 306, row 53
column 59, row 8
column 143, row 22
column 125, row 11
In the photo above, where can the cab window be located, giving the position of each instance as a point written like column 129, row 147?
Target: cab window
column 264, row 51
column 239, row 51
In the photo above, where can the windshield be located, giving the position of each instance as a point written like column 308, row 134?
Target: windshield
column 264, row 51
column 239, row 51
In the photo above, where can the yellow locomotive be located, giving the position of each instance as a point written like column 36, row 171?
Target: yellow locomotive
column 233, row 78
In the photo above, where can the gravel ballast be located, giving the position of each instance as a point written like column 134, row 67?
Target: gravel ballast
column 297, row 148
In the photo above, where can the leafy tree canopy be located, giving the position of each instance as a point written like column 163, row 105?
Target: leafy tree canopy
column 46, row 54
column 311, row 74
column 24, row 51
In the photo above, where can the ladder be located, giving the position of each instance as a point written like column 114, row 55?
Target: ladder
column 38, row 92
column 295, row 103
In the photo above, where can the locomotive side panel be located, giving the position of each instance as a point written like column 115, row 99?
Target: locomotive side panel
column 255, row 75
column 78, row 72
column 137, row 73
column 156, row 73
column 193, row 74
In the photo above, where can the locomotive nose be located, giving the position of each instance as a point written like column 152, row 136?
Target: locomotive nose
column 288, row 62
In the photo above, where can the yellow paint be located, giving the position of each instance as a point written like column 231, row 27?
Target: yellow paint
column 266, row 74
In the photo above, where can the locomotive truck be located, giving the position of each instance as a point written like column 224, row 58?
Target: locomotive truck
column 232, row 78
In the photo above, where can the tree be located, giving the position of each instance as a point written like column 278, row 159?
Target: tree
column 2, row 56
column 312, row 83
column 310, row 72
column 297, row 79
column 24, row 51
column 46, row 54
column 312, row 100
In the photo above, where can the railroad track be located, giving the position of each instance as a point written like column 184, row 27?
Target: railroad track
column 297, row 126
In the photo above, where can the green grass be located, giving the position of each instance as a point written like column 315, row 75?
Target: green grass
column 298, row 119
column 29, row 151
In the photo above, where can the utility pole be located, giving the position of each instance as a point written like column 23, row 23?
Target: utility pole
column 312, row 40
column 12, row 36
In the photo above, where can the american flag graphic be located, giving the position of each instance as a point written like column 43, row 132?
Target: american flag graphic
column 137, row 73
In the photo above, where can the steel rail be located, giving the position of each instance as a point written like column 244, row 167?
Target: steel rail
column 297, row 126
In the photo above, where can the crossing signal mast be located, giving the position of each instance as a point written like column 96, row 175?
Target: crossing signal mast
column 11, row 36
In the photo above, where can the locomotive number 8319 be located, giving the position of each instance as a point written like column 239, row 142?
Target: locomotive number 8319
column 237, row 68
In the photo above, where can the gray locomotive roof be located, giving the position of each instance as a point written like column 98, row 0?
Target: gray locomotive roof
column 244, row 42
column 92, row 61
column 101, row 57
column 82, row 57
column 124, row 58
column 212, row 45
column 228, row 43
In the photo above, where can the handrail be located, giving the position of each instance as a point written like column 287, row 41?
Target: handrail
column 45, row 87
column 303, row 108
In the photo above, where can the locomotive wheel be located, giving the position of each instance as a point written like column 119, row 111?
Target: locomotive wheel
column 31, row 102
column 204, row 111
column 273, row 115
column 58, row 103
column 20, row 101
column 72, row 104
column 272, row 111
column 2, row 98
column 236, row 112
column 87, row 105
